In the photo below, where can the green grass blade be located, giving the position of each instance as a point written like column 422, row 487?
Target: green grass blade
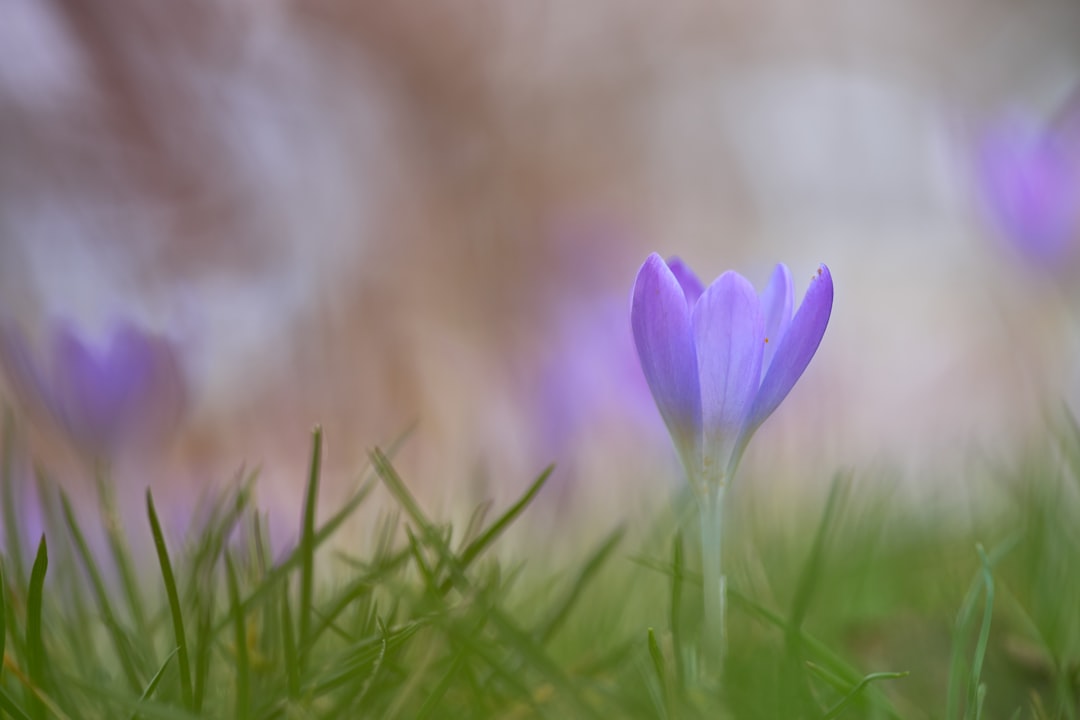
column 974, row 687
column 3, row 620
column 675, row 621
column 295, row 560
column 369, row 682
column 288, row 642
column 13, row 536
column 656, row 655
column 658, row 690
column 965, row 619
column 35, row 643
column 121, row 554
column 431, row 702
column 8, row 705
column 854, row 692
column 155, row 681
column 476, row 547
column 243, row 665
column 204, row 639
column 663, row 682
column 812, row 568
column 174, row 603
column 116, row 633
column 421, row 564
column 558, row 615
column 307, row 542
column 475, row 526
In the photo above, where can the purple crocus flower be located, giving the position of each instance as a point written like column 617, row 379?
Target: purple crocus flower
column 1030, row 181
column 125, row 393
column 720, row 360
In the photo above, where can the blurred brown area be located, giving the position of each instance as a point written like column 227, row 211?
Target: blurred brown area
column 362, row 214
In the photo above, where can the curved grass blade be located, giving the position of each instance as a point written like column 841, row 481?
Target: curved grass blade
column 854, row 692
column 965, row 618
column 174, row 603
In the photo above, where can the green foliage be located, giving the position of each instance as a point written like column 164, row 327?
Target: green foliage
column 866, row 606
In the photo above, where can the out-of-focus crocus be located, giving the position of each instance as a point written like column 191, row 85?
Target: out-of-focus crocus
column 125, row 394
column 590, row 380
column 1029, row 178
column 720, row 360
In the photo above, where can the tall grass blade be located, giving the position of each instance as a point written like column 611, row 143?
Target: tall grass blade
column 307, row 543
column 12, row 533
column 35, row 643
column 288, row 643
column 119, row 639
column 811, row 571
column 242, row 708
column 174, row 603
column 675, row 620
column 121, row 554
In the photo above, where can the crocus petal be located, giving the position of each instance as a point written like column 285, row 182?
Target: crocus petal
column 730, row 334
column 689, row 282
column 660, row 318
column 92, row 395
column 794, row 352
column 777, row 300
column 1031, row 181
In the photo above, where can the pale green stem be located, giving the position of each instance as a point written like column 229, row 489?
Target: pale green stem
column 711, row 504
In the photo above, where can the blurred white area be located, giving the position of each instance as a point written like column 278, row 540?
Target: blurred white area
column 354, row 214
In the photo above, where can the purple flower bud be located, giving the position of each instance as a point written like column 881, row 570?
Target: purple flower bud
column 128, row 393
column 719, row 361
column 1029, row 178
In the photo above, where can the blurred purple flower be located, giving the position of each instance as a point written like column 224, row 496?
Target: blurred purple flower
column 589, row 382
column 1030, row 181
column 720, row 360
column 128, row 393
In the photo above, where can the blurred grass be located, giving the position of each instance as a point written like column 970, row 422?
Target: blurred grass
column 867, row 604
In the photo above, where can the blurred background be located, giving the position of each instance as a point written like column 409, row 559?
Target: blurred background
column 428, row 216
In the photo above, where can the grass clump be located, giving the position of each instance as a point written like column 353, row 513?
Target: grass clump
column 868, row 608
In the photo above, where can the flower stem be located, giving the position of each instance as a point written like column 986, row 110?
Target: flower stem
column 711, row 505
